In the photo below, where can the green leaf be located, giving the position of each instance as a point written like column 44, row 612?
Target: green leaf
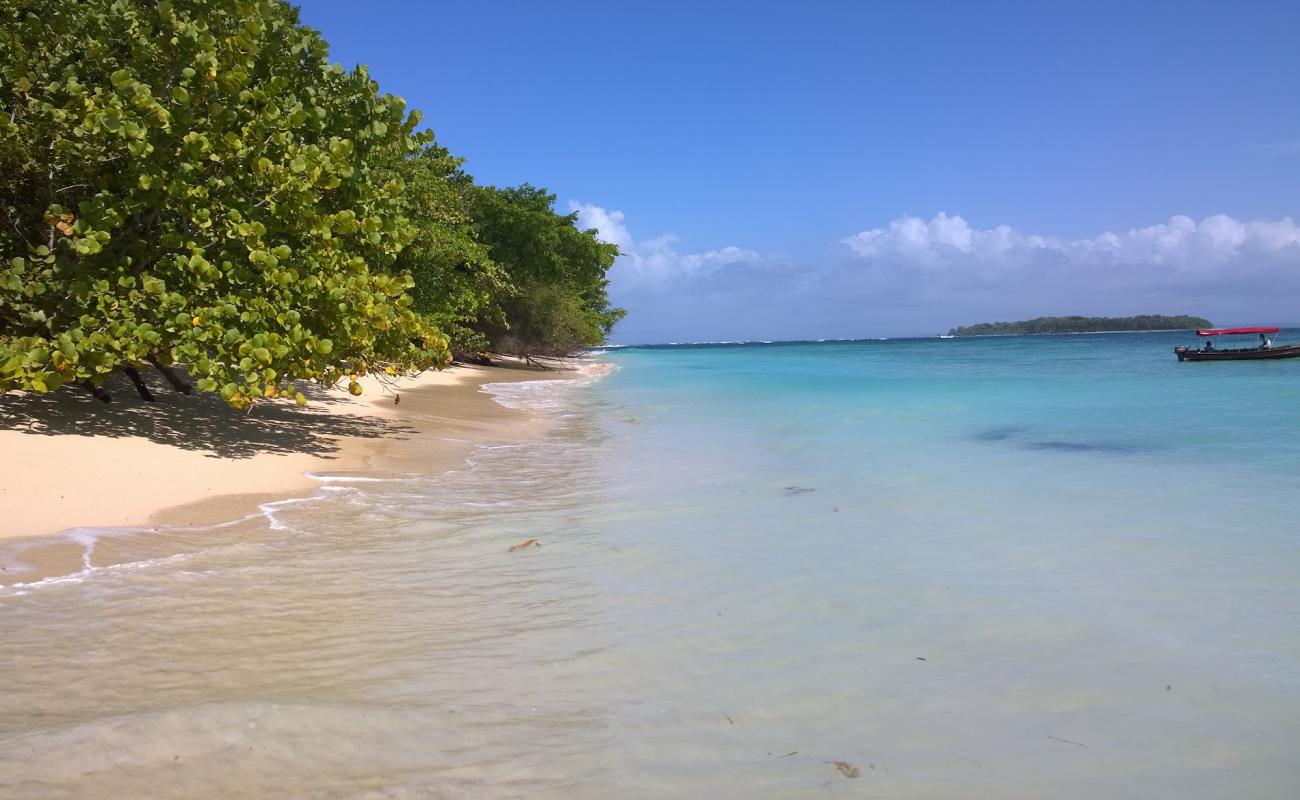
column 195, row 135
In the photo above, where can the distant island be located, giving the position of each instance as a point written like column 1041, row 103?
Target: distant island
column 1142, row 322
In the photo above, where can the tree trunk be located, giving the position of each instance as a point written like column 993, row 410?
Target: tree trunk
column 96, row 391
column 478, row 359
column 176, row 383
column 141, row 389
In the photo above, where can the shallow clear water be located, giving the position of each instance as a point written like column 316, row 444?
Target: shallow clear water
column 1009, row 567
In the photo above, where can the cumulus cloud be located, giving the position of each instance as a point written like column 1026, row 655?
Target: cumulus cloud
column 655, row 262
column 943, row 240
column 1180, row 244
column 1219, row 267
column 915, row 275
column 608, row 224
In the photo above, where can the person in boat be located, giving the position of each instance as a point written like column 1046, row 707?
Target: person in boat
column 1209, row 346
column 1264, row 342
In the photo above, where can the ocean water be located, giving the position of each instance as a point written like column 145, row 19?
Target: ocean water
column 1018, row 567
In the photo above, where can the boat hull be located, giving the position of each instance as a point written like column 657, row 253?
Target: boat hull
column 1254, row 354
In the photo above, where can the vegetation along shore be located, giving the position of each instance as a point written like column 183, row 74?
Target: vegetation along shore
column 206, row 222
column 1075, row 324
column 195, row 185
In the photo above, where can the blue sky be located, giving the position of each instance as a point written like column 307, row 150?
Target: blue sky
column 779, row 170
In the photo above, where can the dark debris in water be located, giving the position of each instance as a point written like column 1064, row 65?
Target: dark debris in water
column 523, row 544
column 1067, row 741
column 798, row 489
column 846, row 769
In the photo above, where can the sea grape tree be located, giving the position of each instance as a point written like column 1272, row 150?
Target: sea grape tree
column 193, row 182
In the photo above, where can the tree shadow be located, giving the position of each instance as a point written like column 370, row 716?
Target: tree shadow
column 201, row 422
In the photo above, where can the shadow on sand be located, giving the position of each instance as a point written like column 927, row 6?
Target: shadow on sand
column 199, row 422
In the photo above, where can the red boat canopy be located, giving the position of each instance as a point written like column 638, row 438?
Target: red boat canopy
column 1222, row 331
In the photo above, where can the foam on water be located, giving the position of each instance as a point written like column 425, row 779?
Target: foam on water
column 16, row 565
column 548, row 395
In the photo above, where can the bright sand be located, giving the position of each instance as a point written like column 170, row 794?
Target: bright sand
column 71, row 461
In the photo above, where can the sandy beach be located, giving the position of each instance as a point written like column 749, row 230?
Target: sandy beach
column 72, row 462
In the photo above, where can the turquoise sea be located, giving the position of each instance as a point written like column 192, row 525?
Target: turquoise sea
column 1011, row 567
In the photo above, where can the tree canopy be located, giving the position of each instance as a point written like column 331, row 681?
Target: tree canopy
column 192, row 182
column 457, row 284
column 558, row 301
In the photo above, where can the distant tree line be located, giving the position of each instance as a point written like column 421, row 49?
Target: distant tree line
column 1142, row 322
column 191, row 183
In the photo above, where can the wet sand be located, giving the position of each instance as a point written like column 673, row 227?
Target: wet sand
column 193, row 468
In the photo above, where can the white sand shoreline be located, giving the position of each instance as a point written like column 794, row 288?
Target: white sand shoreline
column 191, row 464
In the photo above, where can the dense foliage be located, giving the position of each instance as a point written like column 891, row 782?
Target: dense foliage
column 557, row 302
column 1142, row 322
column 192, row 182
column 499, row 269
column 457, row 284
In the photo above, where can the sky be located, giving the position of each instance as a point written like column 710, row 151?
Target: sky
column 856, row 169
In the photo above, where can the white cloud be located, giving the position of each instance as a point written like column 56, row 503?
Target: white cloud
column 654, row 262
column 916, row 275
column 608, row 224
column 942, row 240
column 1182, row 245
